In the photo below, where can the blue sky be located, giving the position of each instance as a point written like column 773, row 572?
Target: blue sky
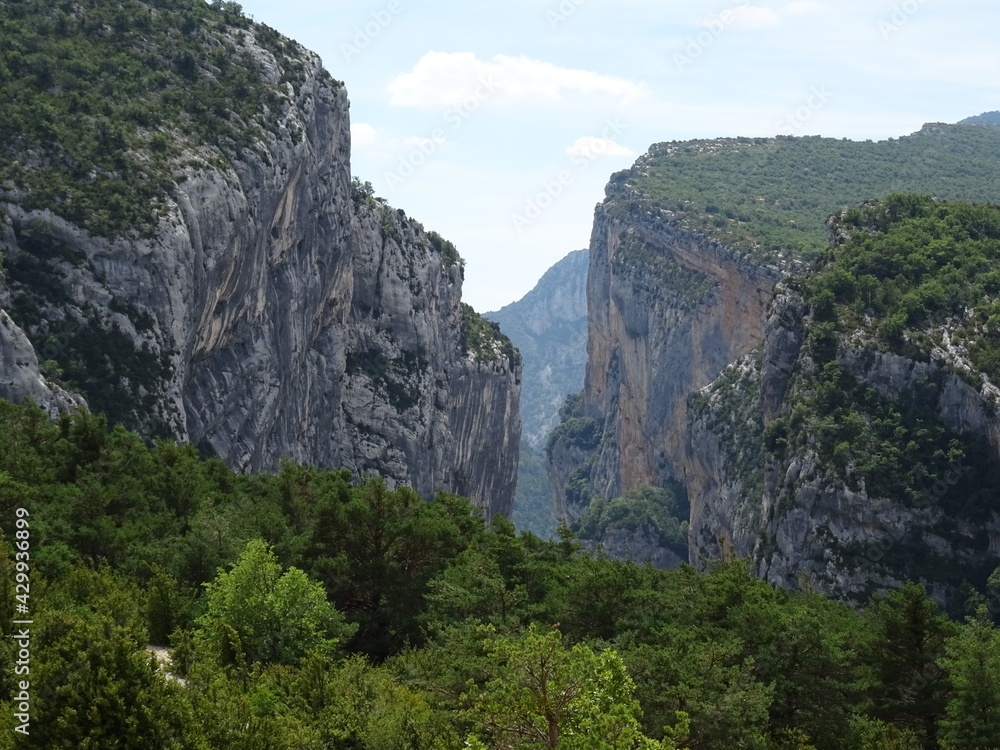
column 498, row 123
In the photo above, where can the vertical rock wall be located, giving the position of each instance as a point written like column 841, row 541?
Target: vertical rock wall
column 276, row 312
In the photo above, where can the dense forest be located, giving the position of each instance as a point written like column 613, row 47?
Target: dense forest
column 770, row 197
column 105, row 103
column 308, row 609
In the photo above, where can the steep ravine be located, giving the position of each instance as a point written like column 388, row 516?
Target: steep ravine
column 668, row 310
column 688, row 358
column 549, row 327
column 276, row 311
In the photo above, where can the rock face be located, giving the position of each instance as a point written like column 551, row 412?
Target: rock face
column 668, row 310
column 803, row 522
column 549, row 327
column 276, row 311
column 20, row 377
column 696, row 367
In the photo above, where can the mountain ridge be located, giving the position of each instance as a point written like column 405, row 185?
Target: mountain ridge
column 258, row 302
column 667, row 316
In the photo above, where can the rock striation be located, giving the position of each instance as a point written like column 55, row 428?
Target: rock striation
column 668, row 310
column 277, row 311
column 696, row 351
column 804, row 523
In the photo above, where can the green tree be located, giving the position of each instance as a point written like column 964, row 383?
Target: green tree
column 361, row 706
column 473, row 587
column 375, row 550
column 870, row 734
column 972, row 662
column 900, row 676
column 93, row 685
column 706, row 679
column 545, row 696
column 810, row 665
column 275, row 616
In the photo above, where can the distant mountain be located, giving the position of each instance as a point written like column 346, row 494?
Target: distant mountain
column 992, row 119
column 549, row 326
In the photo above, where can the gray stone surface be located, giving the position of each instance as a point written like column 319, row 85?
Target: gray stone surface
column 659, row 327
column 803, row 524
column 298, row 320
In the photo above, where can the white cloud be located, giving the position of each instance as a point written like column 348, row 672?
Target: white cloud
column 363, row 135
column 803, row 7
column 460, row 79
column 749, row 17
column 752, row 17
column 420, row 142
column 591, row 146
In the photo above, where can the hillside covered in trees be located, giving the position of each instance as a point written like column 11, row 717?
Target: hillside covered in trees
column 307, row 610
column 770, row 197
column 856, row 446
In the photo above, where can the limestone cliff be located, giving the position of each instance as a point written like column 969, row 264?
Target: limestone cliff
column 846, row 457
column 668, row 310
column 685, row 253
column 801, row 520
column 273, row 310
column 20, row 376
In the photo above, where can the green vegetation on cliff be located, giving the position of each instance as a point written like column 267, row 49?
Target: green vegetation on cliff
column 308, row 611
column 912, row 272
column 908, row 275
column 102, row 100
column 772, row 196
column 649, row 509
column 685, row 285
column 483, row 340
column 78, row 347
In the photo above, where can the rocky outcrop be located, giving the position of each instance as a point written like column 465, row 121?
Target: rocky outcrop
column 640, row 545
column 570, row 468
column 692, row 365
column 276, row 311
column 20, row 375
column 804, row 521
column 668, row 310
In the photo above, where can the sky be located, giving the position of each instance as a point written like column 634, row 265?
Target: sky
column 498, row 124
